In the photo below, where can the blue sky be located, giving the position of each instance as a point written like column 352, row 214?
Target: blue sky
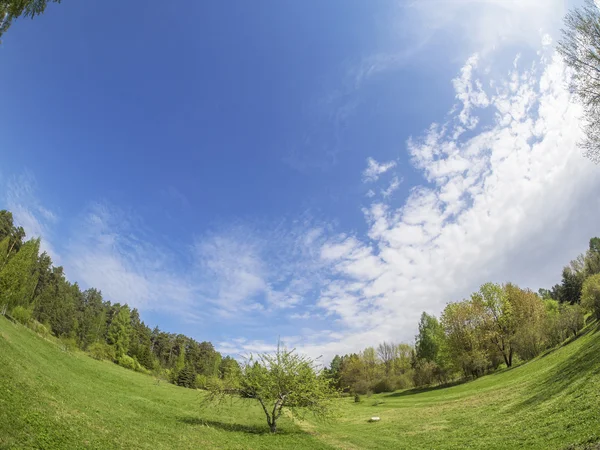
column 252, row 170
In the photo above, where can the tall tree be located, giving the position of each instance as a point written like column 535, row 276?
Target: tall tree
column 572, row 282
column 498, row 317
column 580, row 49
column 387, row 352
column 56, row 300
column 18, row 277
column 590, row 296
column 119, row 331
column 462, row 322
column 92, row 318
column 429, row 340
column 592, row 257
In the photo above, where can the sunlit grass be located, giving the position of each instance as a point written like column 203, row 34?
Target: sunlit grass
column 53, row 399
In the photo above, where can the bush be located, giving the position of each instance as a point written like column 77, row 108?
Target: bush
column 102, row 351
column 68, row 344
column 403, row 381
column 40, row 329
column 425, row 373
column 361, row 387
column 201, row 381
column 383, row 385
column 128, row 362
column 142, row 369
column 22, row 315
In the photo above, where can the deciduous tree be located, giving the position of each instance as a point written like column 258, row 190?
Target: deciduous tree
column 580, row 49
column 280, row 381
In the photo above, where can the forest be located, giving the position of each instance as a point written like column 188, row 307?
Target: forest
column 499, row 326
column 35, row 292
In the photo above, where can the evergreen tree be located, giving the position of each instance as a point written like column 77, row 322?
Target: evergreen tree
column 119, row 331
column 18, row 277
column 92, row 318
column 186, row 377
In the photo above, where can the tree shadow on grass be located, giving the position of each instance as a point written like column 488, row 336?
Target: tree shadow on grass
column 238, row 427
column 426, row 389
column 581, row 365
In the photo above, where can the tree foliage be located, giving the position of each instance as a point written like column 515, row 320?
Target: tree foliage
column 590, row 296
column 39, row 294
column 580, row 49
column 13, row 9
column 284, row 380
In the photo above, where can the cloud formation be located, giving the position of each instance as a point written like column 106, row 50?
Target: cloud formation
column 374, row 169
column 504, row 200
column 483, row 26
column 507, row 203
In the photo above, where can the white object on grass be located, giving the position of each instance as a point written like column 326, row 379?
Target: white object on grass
column 374, row 419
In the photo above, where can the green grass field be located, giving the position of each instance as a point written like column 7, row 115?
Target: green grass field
column 53, row 399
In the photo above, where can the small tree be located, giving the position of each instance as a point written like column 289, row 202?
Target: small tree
column 283, row 380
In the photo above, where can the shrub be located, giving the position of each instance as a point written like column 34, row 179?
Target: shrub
column 383, row 385
column 100, row 351
column 356, row 398
column 425, row 372
column 201, row 381
column 128, row 362
column 361, row 387
column 403, row 381
column 39, row 328
column 68, row 344
column 22, row 315
column 142, row 369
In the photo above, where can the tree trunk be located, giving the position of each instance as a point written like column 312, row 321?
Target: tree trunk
column 273, row 426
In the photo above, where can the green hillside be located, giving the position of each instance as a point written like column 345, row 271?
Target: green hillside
column 50, row 398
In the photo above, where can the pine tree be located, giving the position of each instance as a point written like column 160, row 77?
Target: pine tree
column 119, row 331
column 186, row 377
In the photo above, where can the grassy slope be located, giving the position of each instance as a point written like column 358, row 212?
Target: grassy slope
column 550, row 402
column 51, row 399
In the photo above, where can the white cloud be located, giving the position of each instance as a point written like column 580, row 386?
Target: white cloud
column 483, row 25
column 393, row 186
column 259, row 270
column 514, row 201
column 110, row 250
column 374, row 169
column 470, row 93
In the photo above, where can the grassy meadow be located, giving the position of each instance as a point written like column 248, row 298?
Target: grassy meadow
column 52, row 399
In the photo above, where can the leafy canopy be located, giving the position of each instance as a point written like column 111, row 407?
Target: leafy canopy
column 284, row 380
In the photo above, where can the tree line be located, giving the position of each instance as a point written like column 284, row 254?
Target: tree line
column 36, row 293
column 495, row 327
